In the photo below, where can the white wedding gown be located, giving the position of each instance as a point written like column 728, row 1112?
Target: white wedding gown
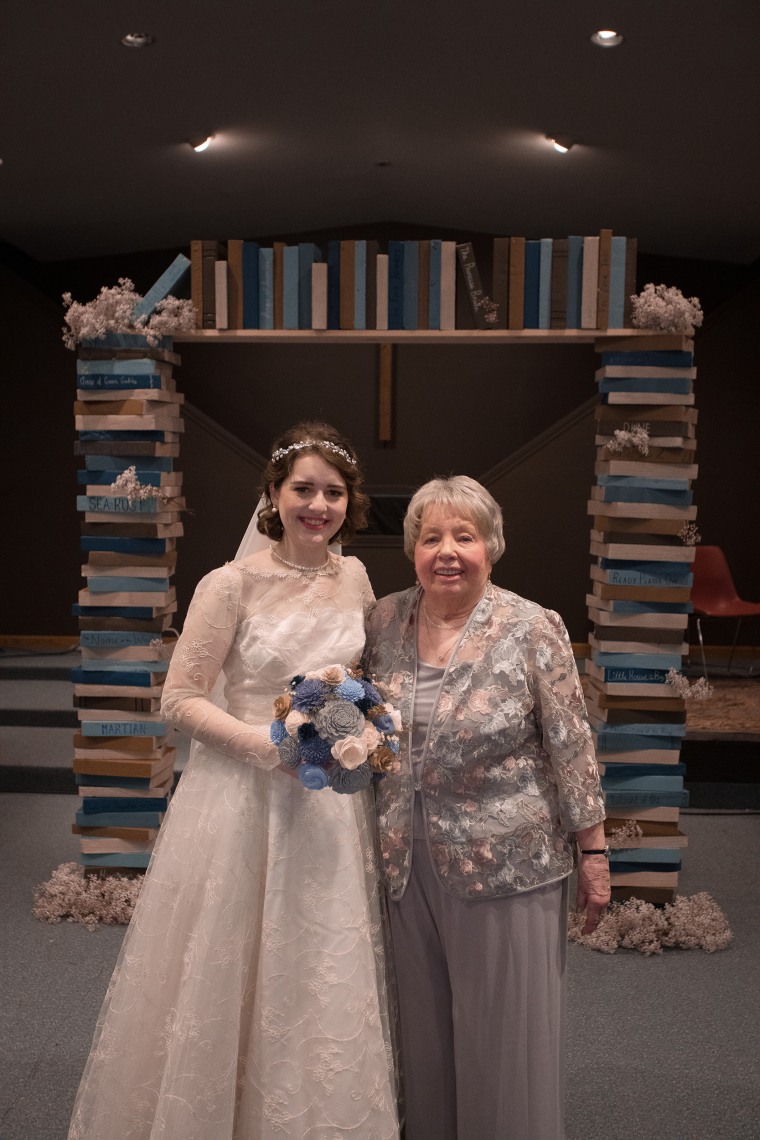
column 249, row 1000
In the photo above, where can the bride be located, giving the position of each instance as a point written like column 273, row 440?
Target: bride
column 249, row 1001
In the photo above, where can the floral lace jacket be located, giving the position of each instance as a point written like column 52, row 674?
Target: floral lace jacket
column 508, row 769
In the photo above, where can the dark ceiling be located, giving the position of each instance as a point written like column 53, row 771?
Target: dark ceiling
column 336, row 113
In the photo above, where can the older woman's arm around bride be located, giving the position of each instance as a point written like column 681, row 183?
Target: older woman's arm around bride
column 497, row 785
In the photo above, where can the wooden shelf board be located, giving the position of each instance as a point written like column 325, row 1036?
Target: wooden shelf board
column 467, row 337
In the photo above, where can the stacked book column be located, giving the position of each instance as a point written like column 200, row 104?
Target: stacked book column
column 642, row 550
column 128, row 419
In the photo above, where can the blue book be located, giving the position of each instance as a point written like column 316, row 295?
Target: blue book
column 169, row 279
column 114, row 638
column 632, row 676
column 646, row 799
column 643, row 783
column 360, row 284
column 618, row 606
column 117, row 463
column 646, row 729
column 119, row 545
column 115, row 859
column 124, row 728
column 635, row 770
column 94, row 805
column 574, row 281
column 641, row 578
column 120, row 819
column 434, row 288
column 395, row 284
column 532, row 277
column 139, row 783
column 662, row 358
column 333, row 284
column 308, row 253
column 545, row 283
column 678, row 385
column 119, row 665
column 266, row 288
column 117, row 504
column 411, row 284
column 113, row 584
column 637, row 660
column 250, row 284
column 668, row 572
column 646, row 495
column 117, row 382
column 654, row 484
column 617, row 283
column 290, row 287
column 132, row 341
column 120, row 368
column 630, row 860
column 99, row 435
column 92, row 677
column 636, row 742
column 133, row 613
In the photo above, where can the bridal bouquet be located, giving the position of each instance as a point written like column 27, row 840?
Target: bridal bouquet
column 334, row 728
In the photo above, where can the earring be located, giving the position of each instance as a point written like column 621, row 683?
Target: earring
column 275, row 510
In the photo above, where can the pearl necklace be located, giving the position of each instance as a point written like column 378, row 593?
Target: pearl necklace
column 294, row 565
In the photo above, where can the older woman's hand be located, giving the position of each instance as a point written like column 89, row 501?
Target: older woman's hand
column 593, row 889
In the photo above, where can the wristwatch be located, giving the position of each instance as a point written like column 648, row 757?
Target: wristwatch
column 596, row 851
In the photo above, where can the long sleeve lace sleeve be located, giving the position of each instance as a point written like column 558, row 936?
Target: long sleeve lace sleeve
column 209, row 632
column 561, row 713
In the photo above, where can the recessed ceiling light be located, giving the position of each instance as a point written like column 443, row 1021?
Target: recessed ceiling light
column 607, row 38
column 561, row 143
column 200, row 143
column 138, row 39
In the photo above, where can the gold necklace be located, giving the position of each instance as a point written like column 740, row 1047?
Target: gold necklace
column 294, row 565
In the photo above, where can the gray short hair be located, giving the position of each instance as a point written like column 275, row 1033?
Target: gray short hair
column 461, row 496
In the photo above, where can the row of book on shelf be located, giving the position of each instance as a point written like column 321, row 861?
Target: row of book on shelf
column 642, row 551
column 128, row 414
column 548, row 283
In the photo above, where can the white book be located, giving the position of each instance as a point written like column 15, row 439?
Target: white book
column 381, row 286
column 448, row 285
column 643, row 371
column 601, row 616
column 647, row 470
column 655, row 814
column 589, row 282
column 597, row 506
column 638, row 398
column 644, row 756
column 667, row 880
column 221, row 295
column 89, row 845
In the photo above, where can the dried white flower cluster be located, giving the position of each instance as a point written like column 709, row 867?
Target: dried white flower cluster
column 113, row 310
column 665, row 309
column 637, row 437
column 164, row 649
column 128, row 484
column 700, row 690
column 86, row 899
column 622, row 836
column 693, row 922
column 689, row 534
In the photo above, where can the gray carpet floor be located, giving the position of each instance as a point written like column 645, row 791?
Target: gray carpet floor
column 662, row 1047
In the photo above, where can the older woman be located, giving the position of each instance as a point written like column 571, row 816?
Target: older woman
column 497, row 786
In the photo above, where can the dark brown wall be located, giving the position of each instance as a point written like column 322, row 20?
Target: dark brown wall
column 516, row 417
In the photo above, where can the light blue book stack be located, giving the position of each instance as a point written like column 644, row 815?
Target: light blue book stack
column 128, row 416
column 642, row 506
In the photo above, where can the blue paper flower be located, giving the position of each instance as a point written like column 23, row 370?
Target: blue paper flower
column 307, row 695
column 350, row 690
column 315, row 750
column 371, row 692
column 391, row 744
column 312, row 777
column 384, row 723
column 277, row 731
column 347, row 781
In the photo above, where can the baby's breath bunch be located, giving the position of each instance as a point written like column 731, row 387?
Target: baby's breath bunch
column 637, row 437
column 113, row 311
column 136, row 492
column 700, row 690
column 664, row 308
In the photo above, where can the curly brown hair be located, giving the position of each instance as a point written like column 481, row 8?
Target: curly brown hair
column 319, row 439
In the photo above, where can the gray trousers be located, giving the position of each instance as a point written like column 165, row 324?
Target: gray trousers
column 482, row 1008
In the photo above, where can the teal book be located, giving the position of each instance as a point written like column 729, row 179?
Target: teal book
column 124, row 728
column 654, row 484
column 660, row 358
column 140, row 367
column 266, row 288
column 639, row 728
column 333, row 284
column 120, row 819
column 642, row 783
column 114, row 638
column 641, row 799
column 134, row 613
column 617, row 283
column 250, row 284
column 290, row 286
column 545, row 283
column 636, row 742
column 642, row 578
column 532, row 275
column 646, row 495
column 118, row 545
column 631, row 860
column 118, row 382
column 650, row 573
column 169, row 280
column 574, row 281
column 134, row 859
column 308, row 253
column 411, row 284
column 116, row 463
column 94, row 805
column 619, row 606
column 678, row 385
column 113, row 584
column 119, row 665
column 637, row 660
column 141, row 680
column 131, row 341
column 360, row 284
column 118, row 504
column 633, row 676
column 434, row 285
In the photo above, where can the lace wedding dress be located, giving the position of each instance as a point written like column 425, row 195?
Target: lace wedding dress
column 248, row 1001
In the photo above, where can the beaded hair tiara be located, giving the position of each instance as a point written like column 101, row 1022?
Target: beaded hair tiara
column 283, row 451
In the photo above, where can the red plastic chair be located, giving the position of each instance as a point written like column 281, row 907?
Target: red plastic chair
column 713, row 594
